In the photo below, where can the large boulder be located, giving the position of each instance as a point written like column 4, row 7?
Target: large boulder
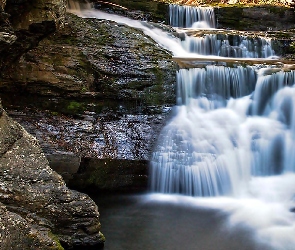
column 111, row 60
column 36, row 200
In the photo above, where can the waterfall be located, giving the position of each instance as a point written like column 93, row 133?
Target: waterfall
column 214, row 144
column 238, row 46
column 216, row 84
column 187, row 16
column 230, row 124
column 231, row 136
column 229, row 46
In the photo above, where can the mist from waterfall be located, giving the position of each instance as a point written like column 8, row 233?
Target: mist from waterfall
column 230, row 142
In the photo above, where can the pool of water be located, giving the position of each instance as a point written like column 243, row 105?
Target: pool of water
column 136, row 222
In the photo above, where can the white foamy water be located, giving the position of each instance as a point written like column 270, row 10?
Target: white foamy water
column 237, row 47
column 234, row 46
column 163, row 38
column 232, row 137
column 264, row 209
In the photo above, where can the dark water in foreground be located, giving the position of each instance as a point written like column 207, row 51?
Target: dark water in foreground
column 136, row 222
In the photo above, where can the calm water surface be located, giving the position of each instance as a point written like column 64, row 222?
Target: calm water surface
column 136, row 222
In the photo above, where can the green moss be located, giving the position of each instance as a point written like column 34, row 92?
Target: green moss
column 101, row 236
column 84, row 89
column 58, row 246
column 292, row 48
column 74, row 106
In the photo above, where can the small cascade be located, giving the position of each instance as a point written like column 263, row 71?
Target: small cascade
column 187, row 16
column 229, row 46
column 237, row 46
column 215, row 83
column 270, row 80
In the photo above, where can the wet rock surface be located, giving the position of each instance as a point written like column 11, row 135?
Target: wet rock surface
column 90, row 128
column 107, row 90
column 36, row 200
column 96, row 132
column 109, row 60
column 259, row 18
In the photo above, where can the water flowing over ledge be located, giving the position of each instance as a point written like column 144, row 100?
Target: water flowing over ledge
column 238, row 46
column 221, row 135
column 187, row 16
column 193, row 61
column 224, row 130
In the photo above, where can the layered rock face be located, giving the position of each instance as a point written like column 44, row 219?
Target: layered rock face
column 260, row 18
column 35, row 201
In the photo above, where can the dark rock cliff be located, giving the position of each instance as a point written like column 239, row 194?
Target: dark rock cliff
column 110, row 60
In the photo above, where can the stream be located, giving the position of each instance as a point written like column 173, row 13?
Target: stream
column 222, row 173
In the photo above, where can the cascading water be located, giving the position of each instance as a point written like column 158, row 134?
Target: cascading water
column 186, row 16
column 237, row 46
column 232, row 135
column 213, row 146
column 223, row 131
column 224, row 45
